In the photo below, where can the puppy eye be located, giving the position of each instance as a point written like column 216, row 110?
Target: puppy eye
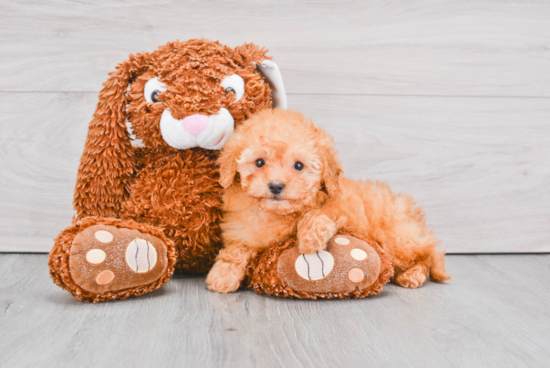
column 234, row 83
column 298, row 166
column 153, row 88
column 260, row 162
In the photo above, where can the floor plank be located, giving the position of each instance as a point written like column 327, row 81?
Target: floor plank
column 491, row 314
column 422, row 47
column 477, row 166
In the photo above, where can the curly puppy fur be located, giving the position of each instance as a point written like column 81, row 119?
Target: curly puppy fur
column 316, row 202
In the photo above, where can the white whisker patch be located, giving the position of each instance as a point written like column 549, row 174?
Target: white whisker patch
column 209, row 132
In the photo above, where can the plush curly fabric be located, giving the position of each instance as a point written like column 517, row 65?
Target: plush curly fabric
column 175, row 191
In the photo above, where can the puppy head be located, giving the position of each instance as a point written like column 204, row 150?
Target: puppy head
column 282, row 160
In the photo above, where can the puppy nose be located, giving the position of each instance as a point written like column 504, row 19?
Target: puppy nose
column 195, row 124
column 276, row 188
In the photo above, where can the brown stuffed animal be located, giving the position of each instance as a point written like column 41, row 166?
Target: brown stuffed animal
column 147, row 198
column 349, row 267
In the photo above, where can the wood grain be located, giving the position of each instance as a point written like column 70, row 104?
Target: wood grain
column 480, row 167
column 453, row 47
column 404, row 87
column 493, row 313
column 40, row 146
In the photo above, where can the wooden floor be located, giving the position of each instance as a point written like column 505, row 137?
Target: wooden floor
column 493, row 313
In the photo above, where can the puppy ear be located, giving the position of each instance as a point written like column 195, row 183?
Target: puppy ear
column 249, row 54
column 106, row 165
column 228, row 162
column 331, row 170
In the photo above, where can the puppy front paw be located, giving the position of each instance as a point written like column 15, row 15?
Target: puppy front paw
column 314, row 233
column 223, row 278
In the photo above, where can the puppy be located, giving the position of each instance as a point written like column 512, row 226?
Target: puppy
column 283, row 179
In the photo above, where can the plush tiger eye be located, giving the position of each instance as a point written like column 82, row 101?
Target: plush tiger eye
column 154, row 96
column 260, row 162
column 234, row 84
column 153, row 88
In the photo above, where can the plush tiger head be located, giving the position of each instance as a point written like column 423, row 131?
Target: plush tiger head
column 184, row 95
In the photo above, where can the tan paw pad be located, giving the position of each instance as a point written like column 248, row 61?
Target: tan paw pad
column 341, row 241
column 103, row 236
column 106, row 258
column 95, row 256
column 141, row 256
column 356, row 275
column 354, row 265
column 315, row 266
column 358, row 254
column 105, row 277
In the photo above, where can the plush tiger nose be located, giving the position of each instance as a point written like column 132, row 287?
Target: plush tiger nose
column 195, row 124
column 276, row 188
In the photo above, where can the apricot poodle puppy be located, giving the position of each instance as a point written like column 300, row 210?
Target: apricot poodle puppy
column 283, row 179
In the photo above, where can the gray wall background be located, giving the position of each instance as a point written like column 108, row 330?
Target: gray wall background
column 448, row 101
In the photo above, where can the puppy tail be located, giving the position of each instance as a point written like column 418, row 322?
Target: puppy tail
column 437, row 267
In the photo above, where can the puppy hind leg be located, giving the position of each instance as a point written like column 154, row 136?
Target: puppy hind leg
column 415, row 273
column 415, row 255
column 413, row 277
column 437, row 267
column 434, row 266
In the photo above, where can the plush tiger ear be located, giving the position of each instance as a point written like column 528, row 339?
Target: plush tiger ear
column 272, row 74
column 106, row 165
column 250, row 55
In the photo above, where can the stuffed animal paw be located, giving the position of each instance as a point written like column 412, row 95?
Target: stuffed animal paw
column 108, row 259
column 348, row 268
